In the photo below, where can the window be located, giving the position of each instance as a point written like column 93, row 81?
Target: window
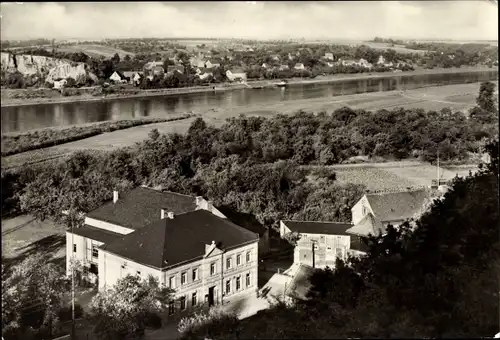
column 228, row 286
column 238, row 283
column 364, row 210
column 247, row 279
column 195, row 274
column 212, row 268
column 238, row 260
column 171, row 282
column 74, row 248
column 194, row 299
column 229, row 263
column 328, row 248
column 93, row 268
column 139, row 273
column 183, row 302
column 183, row 278
column 248, row 256
column 95, row 252
column 171, row 307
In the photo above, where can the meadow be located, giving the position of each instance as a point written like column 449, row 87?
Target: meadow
column 95, row 50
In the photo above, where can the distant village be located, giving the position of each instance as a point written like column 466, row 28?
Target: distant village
column 155, row 65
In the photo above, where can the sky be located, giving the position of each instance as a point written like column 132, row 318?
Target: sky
column 458, row 20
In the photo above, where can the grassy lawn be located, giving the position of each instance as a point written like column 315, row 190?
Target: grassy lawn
column 22, row 236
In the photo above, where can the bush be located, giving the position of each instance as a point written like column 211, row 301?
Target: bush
column 153, row 320
column 65, row 314
column 211, row 324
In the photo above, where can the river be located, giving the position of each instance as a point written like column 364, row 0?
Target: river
column 29, row 117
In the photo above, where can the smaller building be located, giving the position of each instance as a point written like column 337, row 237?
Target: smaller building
column 319, row 243
column 328, row 56
column 59, row 84
column 154, row 68
column 236, row 74
column 211, row 65
column 284, row 67
column 299, row 66
column 118, row 77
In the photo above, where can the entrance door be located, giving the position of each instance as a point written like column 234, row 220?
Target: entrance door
column 211, row 296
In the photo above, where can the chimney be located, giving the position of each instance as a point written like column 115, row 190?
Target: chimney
column 199, row 199
column 170, row 215
column 162, row 214
column 115, row 196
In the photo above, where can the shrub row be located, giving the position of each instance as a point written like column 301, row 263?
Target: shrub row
column 12, row 145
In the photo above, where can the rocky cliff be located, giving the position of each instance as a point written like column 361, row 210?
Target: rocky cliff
column 45, row 68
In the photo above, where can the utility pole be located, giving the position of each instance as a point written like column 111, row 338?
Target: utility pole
column 313, row 253
column 438, row 166
column 73, row 327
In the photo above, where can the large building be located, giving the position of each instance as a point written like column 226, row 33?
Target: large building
column 321, row 243
column 183, row 241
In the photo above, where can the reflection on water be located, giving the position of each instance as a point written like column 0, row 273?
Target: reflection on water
column 30, row 117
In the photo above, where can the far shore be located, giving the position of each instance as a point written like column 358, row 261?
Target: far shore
column 138, row 93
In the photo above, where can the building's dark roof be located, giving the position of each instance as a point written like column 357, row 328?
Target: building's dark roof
column 325, row 228
column 169, row 242
column 142, row 206
column 97, row 234
column 397, row 205
column 243, row 220
column 368, row 225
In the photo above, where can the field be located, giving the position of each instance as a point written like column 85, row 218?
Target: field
column 95, row 50
column 397, row 175
column 23, row 236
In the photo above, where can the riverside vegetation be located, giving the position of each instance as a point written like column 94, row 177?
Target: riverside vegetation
column 17, row 143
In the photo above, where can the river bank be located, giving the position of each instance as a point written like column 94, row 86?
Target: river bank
column 459, row 97
column 56, row 98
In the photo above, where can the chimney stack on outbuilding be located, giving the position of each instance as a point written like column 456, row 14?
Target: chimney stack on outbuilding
column 115, row 196
column 170, row 215
column 162, row 214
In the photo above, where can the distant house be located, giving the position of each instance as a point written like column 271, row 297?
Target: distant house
column 329, row 64
column 382, row 62
column 284, row 67
column 299, row 66
column 118, row 77
column 275, row 57
column 320, row 243
column 210, row 64
column 154, row 68
column 129, row 76
column 329, row 56
column 59, row 84
column 171, row 69
column 364, row 63
column 348, row 62
column 291, row 56
column 373, row 212
column 265, row 65
column 236, row 74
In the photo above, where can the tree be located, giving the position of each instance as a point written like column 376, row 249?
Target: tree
column 115, row 59
column 32, row 295
column 486, row 98
column 127, row 308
